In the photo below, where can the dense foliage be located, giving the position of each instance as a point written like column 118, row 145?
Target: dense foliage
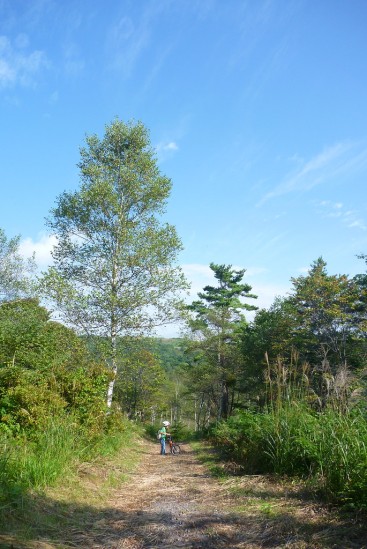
column 328, row 448
column 52, row 401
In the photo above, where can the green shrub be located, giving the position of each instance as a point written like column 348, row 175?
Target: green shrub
column 34, row 462
column 241, row 439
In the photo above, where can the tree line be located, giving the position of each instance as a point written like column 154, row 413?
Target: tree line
column 315, row 339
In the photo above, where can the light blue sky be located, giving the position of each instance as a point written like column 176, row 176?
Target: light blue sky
column 257, row 109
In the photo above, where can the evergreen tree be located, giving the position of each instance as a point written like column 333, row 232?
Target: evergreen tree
column 217, row 316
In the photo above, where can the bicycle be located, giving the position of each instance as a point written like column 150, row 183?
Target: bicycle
column 174, row 447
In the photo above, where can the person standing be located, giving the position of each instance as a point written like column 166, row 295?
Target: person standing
column 163, row 434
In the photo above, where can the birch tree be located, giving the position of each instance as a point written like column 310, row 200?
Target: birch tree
column 16, row 272
column 115, row 269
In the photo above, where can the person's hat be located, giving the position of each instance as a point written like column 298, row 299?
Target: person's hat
column 165, row 423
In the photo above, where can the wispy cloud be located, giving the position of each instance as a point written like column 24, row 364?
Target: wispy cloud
column 73, row 62
column 126, row 41
column 171, row 146
column 54, row 97
column 266, row 294
column 331, row 209
column 199, row 276
column 358, row 224
column 332, row 162
column 17, row 64
column 303, row 270
column 124, row 45
column 353, row 220
column 350, row 218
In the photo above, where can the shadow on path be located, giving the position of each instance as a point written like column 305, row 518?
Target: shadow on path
column 179, row 505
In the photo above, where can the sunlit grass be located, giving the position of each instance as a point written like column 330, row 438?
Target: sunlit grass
column 44, row 479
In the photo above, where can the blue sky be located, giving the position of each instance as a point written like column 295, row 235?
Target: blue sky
column 257, row 110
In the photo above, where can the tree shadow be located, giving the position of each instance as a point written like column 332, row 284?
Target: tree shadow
column 172, row 523
column 258, row 513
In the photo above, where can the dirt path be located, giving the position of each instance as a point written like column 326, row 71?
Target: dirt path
column 172, row 501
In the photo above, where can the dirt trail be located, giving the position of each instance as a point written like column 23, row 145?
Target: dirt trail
column 169, row 502
column 172, row 501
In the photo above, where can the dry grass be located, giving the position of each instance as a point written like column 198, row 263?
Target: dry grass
column 174, row 501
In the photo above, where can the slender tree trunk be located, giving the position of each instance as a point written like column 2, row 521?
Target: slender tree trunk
column 224, row 404
column 195, row 416
column 113, row 338
column 111, row 384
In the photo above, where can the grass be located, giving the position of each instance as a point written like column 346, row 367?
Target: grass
column 51, row 497
column 290, row 512
column 271, row 512
column 329, row 449
column 209, row 457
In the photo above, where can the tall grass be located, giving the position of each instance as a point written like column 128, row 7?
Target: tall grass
column 36, row 461
column 328, row 448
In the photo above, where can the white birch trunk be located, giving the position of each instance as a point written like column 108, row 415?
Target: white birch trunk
column 111, row 384
column 111, row 387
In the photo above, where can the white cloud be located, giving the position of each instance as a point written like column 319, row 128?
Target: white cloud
column 54, row 97
column 125, row 43
column 266, row 294
column 7, row 73
column 165, row 149
column 41, row 247
column 199, row 276
column 357, row 223
column 330, row 209
column 331, row 162
column 303, row 270
column 16, row 65
column 170, row 146
column 128, row 37
column 73, row 62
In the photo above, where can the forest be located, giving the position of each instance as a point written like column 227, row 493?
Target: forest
column 81, row 368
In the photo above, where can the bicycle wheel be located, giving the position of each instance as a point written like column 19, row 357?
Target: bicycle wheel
column 176, row 449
